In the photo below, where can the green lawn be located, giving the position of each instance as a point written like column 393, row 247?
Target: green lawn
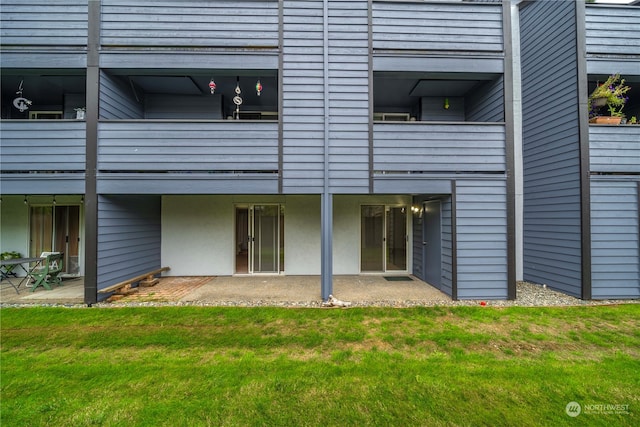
column 189, row 366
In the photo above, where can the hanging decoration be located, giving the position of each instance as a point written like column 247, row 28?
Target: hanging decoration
column 21, row 103
column 446, row 104
column 258, row 87
column 238, row 99
column 212, row 86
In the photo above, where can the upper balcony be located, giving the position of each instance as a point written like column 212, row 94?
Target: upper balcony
column 612, row 38
column 34, row 33
column 438, row 36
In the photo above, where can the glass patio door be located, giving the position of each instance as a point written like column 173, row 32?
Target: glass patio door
column 383, row 238
column 56, row 229
column 260, row 239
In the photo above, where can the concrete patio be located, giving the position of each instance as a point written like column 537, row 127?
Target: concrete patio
column 242, row 290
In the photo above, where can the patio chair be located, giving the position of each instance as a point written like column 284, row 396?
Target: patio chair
column 48, row 273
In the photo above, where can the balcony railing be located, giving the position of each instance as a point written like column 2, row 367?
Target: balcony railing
column 187, row 146
column 613, row 30
column 42, row 146
column 439, row 147
column 614, row 149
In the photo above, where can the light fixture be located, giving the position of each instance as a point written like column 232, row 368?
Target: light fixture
column 25, row 199
column 212, row 86
column 446, row 104
column 82, row 200
column 54, row 199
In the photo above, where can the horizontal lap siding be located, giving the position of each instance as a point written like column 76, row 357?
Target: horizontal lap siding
column 37, row 145
column 349, row 96
column 615, row 242
column 129, row 237
column 438, row 147
column 433, row 26
column 192, row 146
column 614, row 148
column 60, row 23
column 447, row 247
column 117, row 100
column 613, row 30
column 190, row 23
column 303, row 97
column 481, row 229
column 552, row 202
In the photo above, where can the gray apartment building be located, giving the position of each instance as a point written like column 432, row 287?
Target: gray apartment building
column 318, row 137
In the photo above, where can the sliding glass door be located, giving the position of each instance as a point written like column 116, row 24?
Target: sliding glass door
column 383, row 241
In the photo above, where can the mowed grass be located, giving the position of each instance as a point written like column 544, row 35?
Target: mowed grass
column 443, row 366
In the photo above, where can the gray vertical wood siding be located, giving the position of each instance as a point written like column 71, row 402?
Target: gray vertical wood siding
column 552, row 201
column 613, row 30
column 59, row 23
column 447, row 247
column 614, row 148
column 437, row 26
column 118, row 100
column 42, row 145
column 303, row 97
column 190, row 23
column 349, row 96
column 129, row 237
column 615, row 242
column 481, row 229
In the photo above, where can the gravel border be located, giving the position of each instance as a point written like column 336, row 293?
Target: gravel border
column 527, row 295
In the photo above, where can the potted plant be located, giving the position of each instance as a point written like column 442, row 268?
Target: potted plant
column 612, row 95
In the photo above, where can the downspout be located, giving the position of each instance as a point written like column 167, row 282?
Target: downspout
column 327, row 199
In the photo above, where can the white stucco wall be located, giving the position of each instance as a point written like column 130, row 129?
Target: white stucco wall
column 198, row 232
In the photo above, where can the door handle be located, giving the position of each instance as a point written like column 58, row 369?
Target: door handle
column 424, row 243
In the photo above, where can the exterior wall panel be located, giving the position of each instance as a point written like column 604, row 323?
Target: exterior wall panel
column 481, row 230
column 59, row 23
column 348, row 96
column 303, row 97
column 190, row 23
column 615, row 246
column 552, row 203
column 612, row 30
column 129, row 237
column 437, row 26
column 117, row 100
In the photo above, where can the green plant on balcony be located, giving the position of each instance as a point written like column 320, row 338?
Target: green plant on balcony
column 612, row 95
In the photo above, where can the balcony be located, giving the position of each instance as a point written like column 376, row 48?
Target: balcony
column 614, row 149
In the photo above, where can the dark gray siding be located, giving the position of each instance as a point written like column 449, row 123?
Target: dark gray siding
column 615, row 242
column 348, row 96
column 59, row 23
column 447, row 246
column 118, row 100
column 481, row 230
column 190, row 23
column 161, row 146
column 613, row 30
column 437, row 26
column 303, row 97
column 129, row 237
column 614, row 148
column 552, row 203
column 429, row 147
column 42, row 145
column 486, row 104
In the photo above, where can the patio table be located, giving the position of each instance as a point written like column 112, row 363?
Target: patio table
column 31, row 264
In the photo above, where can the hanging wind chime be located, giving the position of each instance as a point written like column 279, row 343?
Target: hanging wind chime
column 258, row 87
column 212, row 86
column 237, row 100
column 21, row 103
